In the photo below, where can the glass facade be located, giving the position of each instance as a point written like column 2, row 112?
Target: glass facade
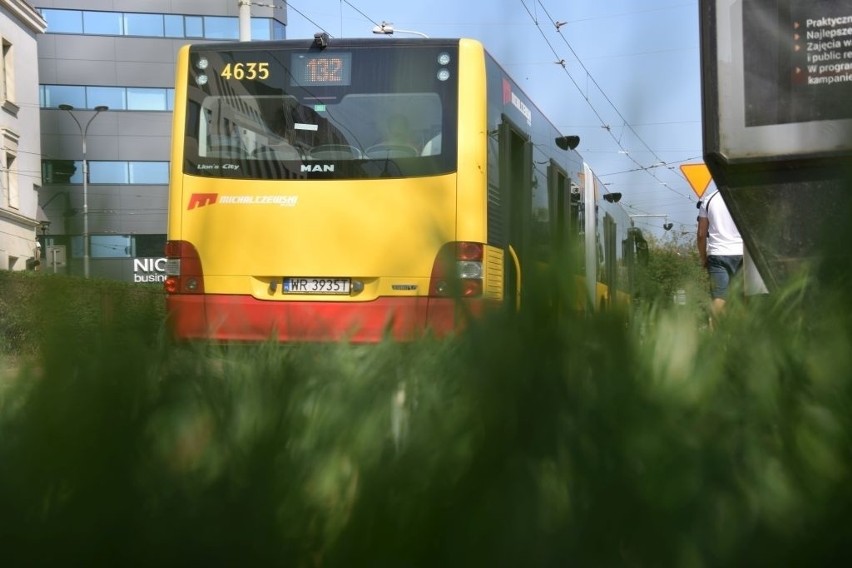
column 116, row 98
column 105, row 172
column 89, row 22
column 149, row 25
column 126, row 202
column 101, row 23
column 117, row 246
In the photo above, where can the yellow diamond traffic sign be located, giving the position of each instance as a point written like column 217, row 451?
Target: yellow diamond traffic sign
column 698, row 177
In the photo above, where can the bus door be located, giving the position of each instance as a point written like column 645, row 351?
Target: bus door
column 515, row 157
column 558, row 186
column 636, row 258
column 610, row 268
column 562, row 220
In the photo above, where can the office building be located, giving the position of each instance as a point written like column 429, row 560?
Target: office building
column 118, row 55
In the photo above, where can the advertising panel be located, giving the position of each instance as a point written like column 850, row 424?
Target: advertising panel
column 784, row 78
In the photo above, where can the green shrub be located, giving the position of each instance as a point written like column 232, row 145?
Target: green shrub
column 33, row 304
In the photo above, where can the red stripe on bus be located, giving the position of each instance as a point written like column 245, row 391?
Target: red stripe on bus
column 243, row 318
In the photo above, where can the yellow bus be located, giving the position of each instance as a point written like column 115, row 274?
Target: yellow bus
column 358, row 189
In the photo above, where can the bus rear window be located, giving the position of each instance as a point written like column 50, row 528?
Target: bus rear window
column 358, row 126
column 370, row 125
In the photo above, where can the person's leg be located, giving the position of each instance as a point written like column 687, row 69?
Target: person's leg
column 720, row 278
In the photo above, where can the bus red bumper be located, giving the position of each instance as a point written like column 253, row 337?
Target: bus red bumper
column 243, row 318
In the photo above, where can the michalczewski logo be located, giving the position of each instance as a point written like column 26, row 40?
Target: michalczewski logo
column 202, row 199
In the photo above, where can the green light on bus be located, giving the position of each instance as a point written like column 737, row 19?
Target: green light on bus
column 319, row 108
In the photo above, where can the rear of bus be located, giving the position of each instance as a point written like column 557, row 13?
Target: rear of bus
column 327, row 190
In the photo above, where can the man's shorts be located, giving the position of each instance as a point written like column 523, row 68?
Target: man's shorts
column 722, row 269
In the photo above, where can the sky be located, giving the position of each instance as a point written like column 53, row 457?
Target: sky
column 624, row 75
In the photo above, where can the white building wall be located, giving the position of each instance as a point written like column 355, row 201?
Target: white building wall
column 20, row 144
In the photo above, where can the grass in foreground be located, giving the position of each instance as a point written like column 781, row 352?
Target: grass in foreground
column 524, row 442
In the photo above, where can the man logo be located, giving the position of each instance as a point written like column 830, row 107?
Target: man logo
column 317, row 168
column 201, row 199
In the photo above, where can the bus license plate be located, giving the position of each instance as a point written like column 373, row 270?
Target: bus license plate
column 316, row 285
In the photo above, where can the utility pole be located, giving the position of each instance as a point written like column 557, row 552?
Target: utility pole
column 245, row 20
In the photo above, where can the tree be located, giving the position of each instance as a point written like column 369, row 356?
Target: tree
column 673, row 265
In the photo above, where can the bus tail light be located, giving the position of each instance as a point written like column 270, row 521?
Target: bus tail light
column 457, row 271
column 183, row 269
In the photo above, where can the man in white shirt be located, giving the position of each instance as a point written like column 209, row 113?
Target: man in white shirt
column 720, row 248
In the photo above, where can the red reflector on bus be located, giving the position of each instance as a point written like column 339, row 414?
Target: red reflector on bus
column 471, row 288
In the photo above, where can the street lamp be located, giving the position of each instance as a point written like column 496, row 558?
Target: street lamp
column 84, row 130
column 386, row 28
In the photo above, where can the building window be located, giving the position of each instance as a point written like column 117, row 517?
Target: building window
column 147, row 99
column 260, row 28
column 174, row 26
column 101, row 23
column 116, row 98
column 221, row 27
column 110, row 246
column 149, row 246
column 10, row 175
column 9, row 169
column 60, row 172
column 102, row 246
column 107, row 172
column 279, row 30
column 10, row 180
column 8, row 73
column 147, row 25
column 149, row 173
column 63, row 21
column 194, row 26
column 156, row 25
column 120, row 246
column 54, row 95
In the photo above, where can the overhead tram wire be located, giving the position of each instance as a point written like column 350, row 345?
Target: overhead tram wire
column 657, row 165
column 558, row 25
column 319, row 27
column 647, row 169
column 347, row 2
column 374, row 22
column 597, row 85
column 625, row 123
column 597, row 114
column 604, row 124
column 574, row 82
